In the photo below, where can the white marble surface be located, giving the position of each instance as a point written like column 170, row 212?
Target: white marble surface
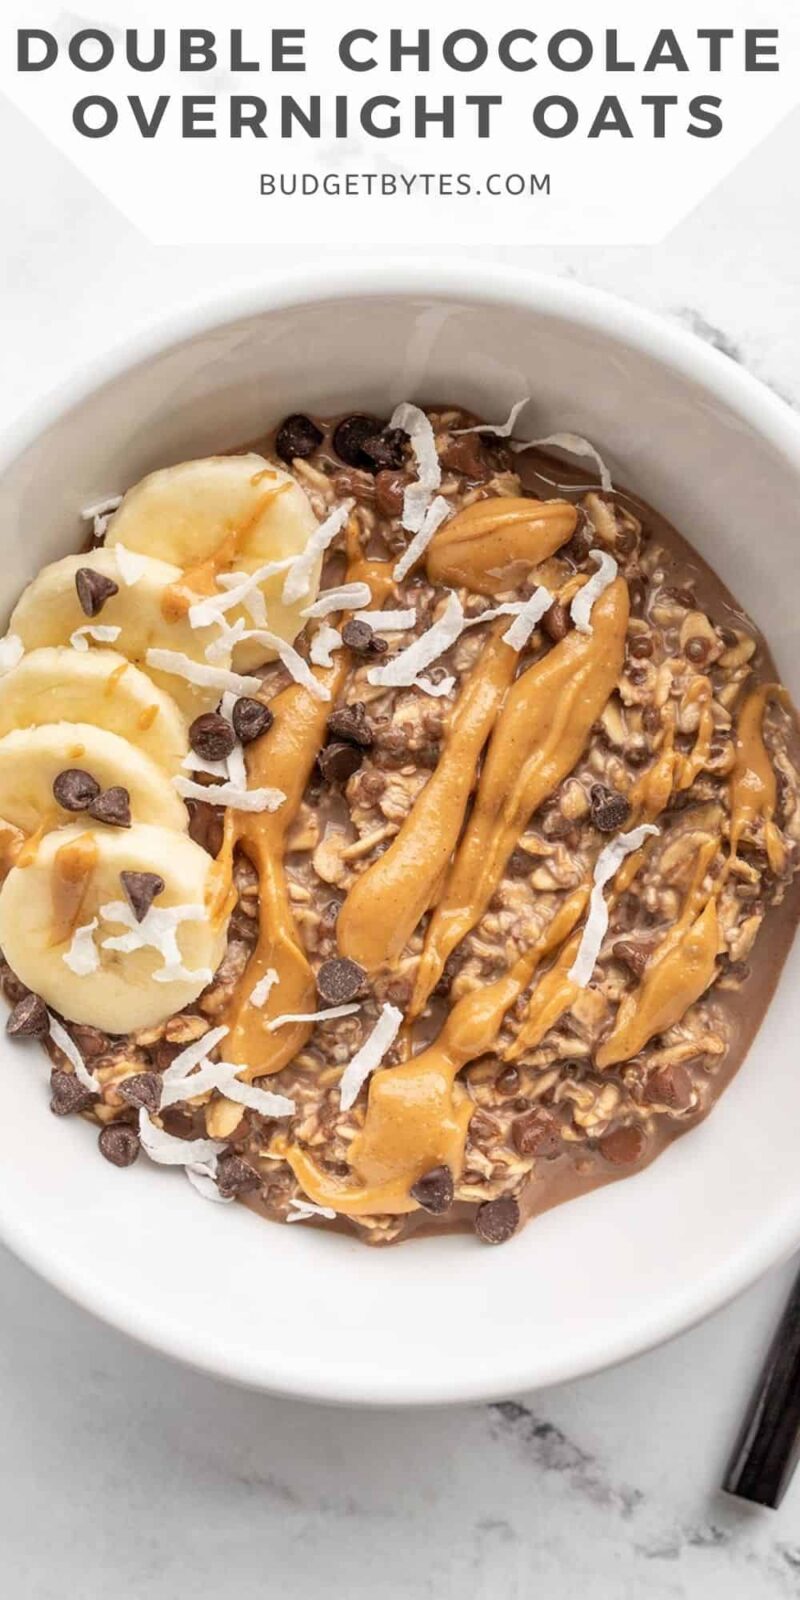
column 122, row 1475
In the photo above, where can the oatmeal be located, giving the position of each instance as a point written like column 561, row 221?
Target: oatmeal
column 389, row 818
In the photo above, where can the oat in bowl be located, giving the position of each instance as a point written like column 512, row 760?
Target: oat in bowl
column 389, row 815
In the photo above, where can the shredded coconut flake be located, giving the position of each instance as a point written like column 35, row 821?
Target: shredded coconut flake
column 575, row 445
column 345, row 597
column 417, row 497
column 596, row 926
column 323, row 644
column 230, row 794
column 168, row 1151
column 130, row 564
column 100, row 514
column 262, row 990
column 581, row 608
column 265, row 1101
column 298, row 578
column 158, row 930
column 312, row 1016
column 502, row 430
column 304, row 1210
column 435, row 515
column 240, row 589
column 237, row 770
column 83, row 956
column 389, row 621
column 11, row 652
column 195, row 763
column 65, row 1043
column 402, row 672
column 369, row 1056
column 294, row 663
column 206, row 677
column 101, row 632
column 188, row 1059
column 525, row 621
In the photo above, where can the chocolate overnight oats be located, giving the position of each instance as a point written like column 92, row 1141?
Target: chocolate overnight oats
column 389, row 816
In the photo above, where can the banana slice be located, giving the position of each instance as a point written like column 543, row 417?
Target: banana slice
column 59, row 684
column 74, row 873
column 223, row 514
column 49, row 612
column 32, row 758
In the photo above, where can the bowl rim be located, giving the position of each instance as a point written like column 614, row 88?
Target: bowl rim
column 479, row 282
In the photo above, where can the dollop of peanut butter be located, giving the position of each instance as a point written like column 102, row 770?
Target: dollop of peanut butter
column 752, row 783
column 494, row 543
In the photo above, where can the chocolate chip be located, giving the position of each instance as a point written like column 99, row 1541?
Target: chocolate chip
column 112, row 806
column 640, row 646
column 507, row 1082
column 623, row 1146
column 235, row 1176
column 609, row 808
column 142, row 1089
column 251, row 718
column 390, row 488
column 75, row 789
column 349, row 437
column 351, row 723
column 93, row 590
column 340, row 980
column 386, row 449
column 520, row 864
column 496, row 1220
column 211, row 736
column 632, row 955
column 671, row 1086
column 537, row 1133
column 297, row 437
column 556, row 622
column 338, row 762
column 141, row 889
column 697, row 649
column 119, row 1144
column 434, row 1190
column 358, row 636
column 29, row 1019
column 67, row 1094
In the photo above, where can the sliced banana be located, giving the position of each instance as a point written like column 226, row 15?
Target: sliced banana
column 49, row 612
column 223, row 514
column 72, row 875
column 59, row 684
column 32, row 758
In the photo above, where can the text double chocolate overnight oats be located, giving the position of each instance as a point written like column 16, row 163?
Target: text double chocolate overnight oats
column 389, row 818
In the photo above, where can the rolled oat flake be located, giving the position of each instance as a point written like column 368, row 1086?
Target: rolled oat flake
column 29, row 1019
column 434, row 1190
column 113, row 806
column 75, row 789
column 94, row 589
column 340, row 980
column 496, row 1220
column 140, row 890
column 119, row 1144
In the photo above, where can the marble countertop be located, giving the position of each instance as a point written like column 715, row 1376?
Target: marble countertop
column 123, row 1475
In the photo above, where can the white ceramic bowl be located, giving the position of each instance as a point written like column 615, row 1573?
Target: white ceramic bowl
column 314, row 1314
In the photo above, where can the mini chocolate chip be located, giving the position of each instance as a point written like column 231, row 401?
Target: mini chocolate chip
column 351, row 723
column 507, row 1082
column 251, row 718
column 434, row 1190
column 697, row 649
column 640, row 646
column 728, row 637
column 358, row 636
column 338, row 762
column 556, row 622
column 623, row 1146
column 93, row 590
column 537, row 1133
column 297, row 437
column 520, row 864
column 68, row 1094
column 340, row 980
column 235, row 1176
column 349, row 437
column 390, row 490
column 609, row 809
column 142, row 1089
column 496, row 1220
column 112, row 806
column 75, row 789
column 211, row 736
column 632, row 955
column 671, row 1086
column 29, row 1019
column 386, row 449
column 119, row 1144
column 141, row 889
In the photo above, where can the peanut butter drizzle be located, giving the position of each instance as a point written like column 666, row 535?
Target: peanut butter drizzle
column 483, row 545
column 73, row 865
column 408, row 875
column 752, row 783
column 202, row 578
column 539, row 736
column 417, row 1113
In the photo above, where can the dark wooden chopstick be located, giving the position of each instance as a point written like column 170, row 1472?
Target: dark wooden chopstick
column 768, row 1446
